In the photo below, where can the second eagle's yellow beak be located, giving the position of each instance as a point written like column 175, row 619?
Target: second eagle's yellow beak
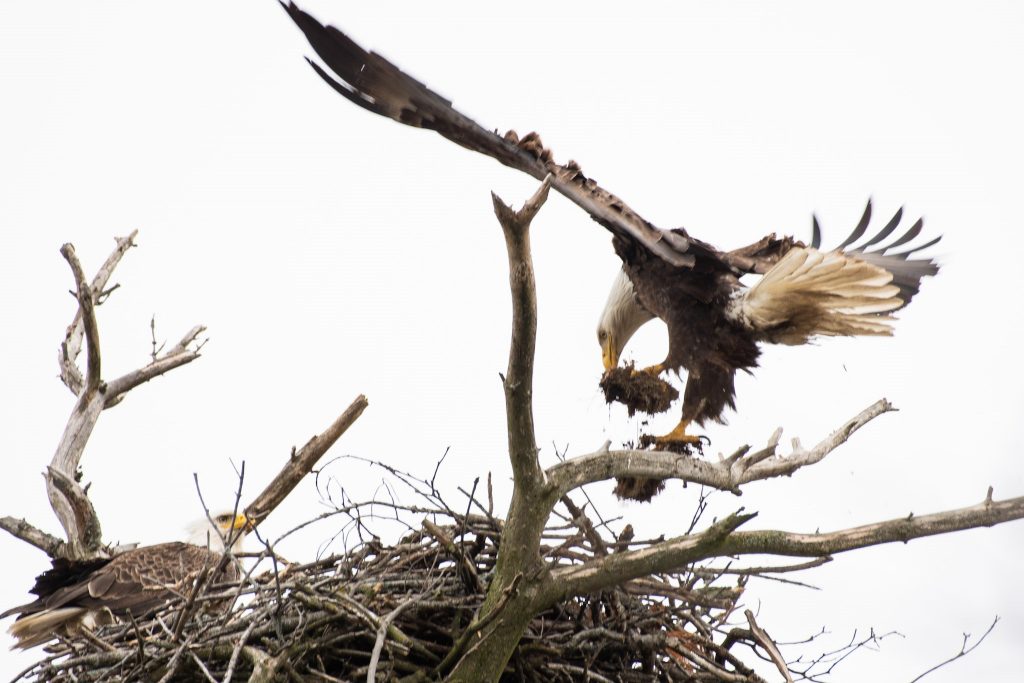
column 241, row 522
column 609, row 355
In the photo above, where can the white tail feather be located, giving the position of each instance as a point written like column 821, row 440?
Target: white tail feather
column 35, row 629
column 810, row 293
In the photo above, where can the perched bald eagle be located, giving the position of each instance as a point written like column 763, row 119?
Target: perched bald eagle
column 715, row 323
column 86, row 594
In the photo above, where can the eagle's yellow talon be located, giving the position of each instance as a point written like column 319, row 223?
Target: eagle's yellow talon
column 677, row 437
column 652, row 370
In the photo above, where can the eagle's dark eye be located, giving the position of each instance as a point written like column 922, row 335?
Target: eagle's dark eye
column 602, row 335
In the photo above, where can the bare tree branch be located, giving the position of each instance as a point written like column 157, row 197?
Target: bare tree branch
column 676, row 552
column 72, row 344
column 727, row 474
column 19, row 528
column 518, row 381
column 178, row 355
column 67, row 497
column 69, row 453
column 88, row 318
column 301, row 462
column 509, row 606
column 86, row 520
column 721, row 540
column 765, row 641
column 964, row 650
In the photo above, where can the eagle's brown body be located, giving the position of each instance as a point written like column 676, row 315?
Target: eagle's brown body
column 79, row 595
column 715, row 323
column 96, row 591
column 702, row 339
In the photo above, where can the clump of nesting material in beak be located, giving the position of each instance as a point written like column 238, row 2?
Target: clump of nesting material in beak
column 638, row 391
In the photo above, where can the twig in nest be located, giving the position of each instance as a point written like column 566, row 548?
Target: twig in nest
column 382, row 632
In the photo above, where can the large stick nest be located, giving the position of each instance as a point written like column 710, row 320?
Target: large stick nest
column 413, row 601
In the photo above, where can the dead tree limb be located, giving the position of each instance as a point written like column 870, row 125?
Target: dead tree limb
column 72, row 345
column 518, row 381
column 727, row 474
column 185, row 351
column 87, row 316
column 765, row 641
column 532, row 496
column 301, row 462
column 67, row 497
column 965, row 650
column 19, row 528
column 722, row 540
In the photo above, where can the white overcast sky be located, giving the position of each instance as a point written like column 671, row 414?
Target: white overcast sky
column 333, row 253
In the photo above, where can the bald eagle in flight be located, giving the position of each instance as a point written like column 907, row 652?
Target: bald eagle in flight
column 76, row 595
column 714, row 322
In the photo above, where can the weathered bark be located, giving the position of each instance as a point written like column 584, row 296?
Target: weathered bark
column 722, row 540
column 727, row 474
column 519, row 568
column 302, row 462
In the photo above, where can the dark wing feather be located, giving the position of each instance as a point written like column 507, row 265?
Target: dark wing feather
column 63, row 573
column 377, row 85
column 760, row 256
column 886, row 231
column 914, row 231
column 908, row 252
column 858, row 231
column 907, row 272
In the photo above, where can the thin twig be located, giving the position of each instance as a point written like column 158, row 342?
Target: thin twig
column 964, row 650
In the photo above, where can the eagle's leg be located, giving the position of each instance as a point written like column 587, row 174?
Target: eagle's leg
column 703, row 383
column 677, row 437
column 652, row 370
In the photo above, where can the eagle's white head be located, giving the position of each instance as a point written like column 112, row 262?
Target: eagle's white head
column 622, row 317
column 226, row 527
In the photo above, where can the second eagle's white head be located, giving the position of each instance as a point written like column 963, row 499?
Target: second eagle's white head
column 226, row 527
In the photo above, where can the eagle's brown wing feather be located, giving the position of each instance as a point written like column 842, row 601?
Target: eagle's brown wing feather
column 136, row 581
column 375, row 84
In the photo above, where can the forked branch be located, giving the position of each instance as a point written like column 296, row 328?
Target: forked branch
column 67, row 497
column 72, row 344
column 518, row 380
column 727, row 474
column 509, row 604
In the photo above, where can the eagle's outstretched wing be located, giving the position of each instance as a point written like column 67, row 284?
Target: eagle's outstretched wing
column 377, row 85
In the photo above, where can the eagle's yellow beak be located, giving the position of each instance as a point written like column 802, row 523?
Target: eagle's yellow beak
column 609, row 355
column 241, row 522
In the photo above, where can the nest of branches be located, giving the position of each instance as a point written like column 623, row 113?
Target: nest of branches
column 408, row 610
